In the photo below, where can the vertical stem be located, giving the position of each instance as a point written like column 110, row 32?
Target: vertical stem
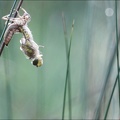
column 6, row 64
column 68, row 80
column 68, row 76
column 117, row 37
column 108, row 106
column 110, row 67
column 112, row 59
column 1, row 37
column 65, row 32
column 18, row 7
column 65, row 88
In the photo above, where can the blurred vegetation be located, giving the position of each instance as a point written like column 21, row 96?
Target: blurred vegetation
column 27, row 92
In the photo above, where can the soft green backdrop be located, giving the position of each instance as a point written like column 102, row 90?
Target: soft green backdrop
column 30, row 92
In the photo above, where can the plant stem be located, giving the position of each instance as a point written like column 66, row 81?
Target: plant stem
column 17, row 9
column 117, row 38
column 68, row 75
column 67, row 79
column 116, row 50
column 65, row 88
column 112, row 59
column 110, row 98
column 6, row 65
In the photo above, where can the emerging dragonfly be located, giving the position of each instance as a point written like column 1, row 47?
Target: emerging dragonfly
column 28, row 45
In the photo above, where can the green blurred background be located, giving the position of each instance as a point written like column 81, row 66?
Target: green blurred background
column 27, row 92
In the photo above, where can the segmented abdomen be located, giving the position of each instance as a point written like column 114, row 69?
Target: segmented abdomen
column 9, row 33
column 26, row 32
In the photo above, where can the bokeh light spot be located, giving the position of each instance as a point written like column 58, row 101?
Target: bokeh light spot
column 109, row 12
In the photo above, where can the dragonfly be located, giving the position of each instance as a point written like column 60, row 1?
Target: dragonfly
column 28, row 46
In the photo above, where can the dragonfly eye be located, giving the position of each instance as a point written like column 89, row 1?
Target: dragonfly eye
column 35, row 62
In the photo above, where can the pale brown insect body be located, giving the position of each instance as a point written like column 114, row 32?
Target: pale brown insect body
column 9, row 33
column 14, row 24
column 28, row 45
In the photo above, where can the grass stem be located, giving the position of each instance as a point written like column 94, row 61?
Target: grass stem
column 5, row 27
column 6, row 64
column 108, row 106
column 117, row 39
column 67, row 79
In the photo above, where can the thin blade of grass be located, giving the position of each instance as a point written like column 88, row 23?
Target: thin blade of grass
column 65, row 32
column 117, row 78
column 66, row 43
column 68, row 75
column 108, row 106
column 109, row 69
column 67, row 79
column 5, row 27
column 117, row 39
column 6, row 65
